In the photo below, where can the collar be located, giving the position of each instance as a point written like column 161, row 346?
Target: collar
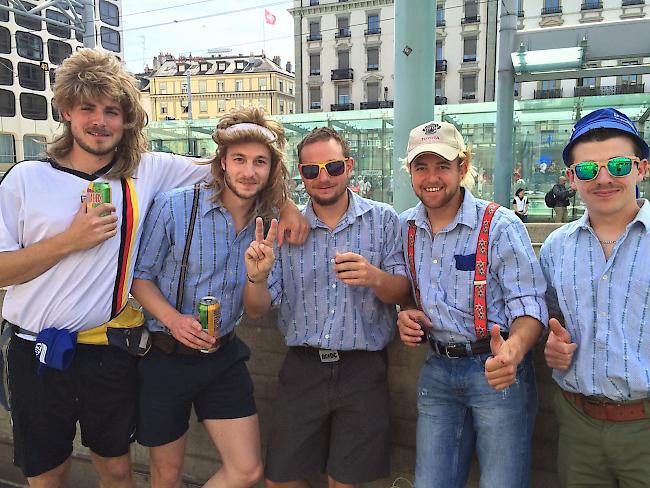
column 467, row 213
column 642, row 216
column 357, row 206
column 90, row 177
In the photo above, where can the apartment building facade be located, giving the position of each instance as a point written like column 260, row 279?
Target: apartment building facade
column 30, row 51
column 345, row 51
column 216, row 85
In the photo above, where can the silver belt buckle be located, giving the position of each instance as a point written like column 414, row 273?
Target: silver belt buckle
column 328, row 355
column 451, row 345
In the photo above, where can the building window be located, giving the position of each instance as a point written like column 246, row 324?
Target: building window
column 58, row 51
column 551, row 7
column 162, row 88
column 290, row 88
column 373, row 58
column 110, row 39
column 203, row 86
column 109, row 13
column 7, row 147
column 239, row 65
column 469, row 49
column 314, row 64
column 221, row 66
column 220, row 86
column 438, row 87
column 203, row 106
column 314, row 98
column 372, row 88
column 52, row 77
column 373, row 24
column 438, row 50
column 184, row 87
column 314, row 31
column 221, row 105
column 281, row 105
column 33, row 146
column 343, row 25
column 79, row 36
column 5, row 40
column 262, row 84
column 630, row 79
column 6, row 72
column 31, row 76
column 239, row 103
column 164, row 108
column 471, row 11
column 587, row 82
column 239, row 85
column 281, row 86
column 440, row 15
column 517, row 90
column 55, row 113
column 58, row 30
column 4, row 14
column 7, row 104
column 469, row 87
column 27, row 22
column 344, row 59
column 343, row 94
column 33, row 107
column 29, row 46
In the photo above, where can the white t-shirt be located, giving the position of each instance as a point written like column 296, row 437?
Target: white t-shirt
column 520, row 203
column 39, row 199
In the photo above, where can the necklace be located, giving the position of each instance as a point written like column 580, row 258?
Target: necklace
column 608, row 242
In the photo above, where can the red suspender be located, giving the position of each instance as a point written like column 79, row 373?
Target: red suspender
column 480, row 272
column 411, row 245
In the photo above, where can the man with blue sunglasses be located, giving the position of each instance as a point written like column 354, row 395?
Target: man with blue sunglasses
column 598, row 344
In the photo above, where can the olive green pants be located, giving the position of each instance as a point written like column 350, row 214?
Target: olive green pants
column 599, row 453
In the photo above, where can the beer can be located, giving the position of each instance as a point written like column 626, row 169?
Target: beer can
column 98, row 192
column 210, row 317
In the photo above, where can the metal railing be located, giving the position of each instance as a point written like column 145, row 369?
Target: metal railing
column 549, row 93
column 341, row 107
column 342, row 74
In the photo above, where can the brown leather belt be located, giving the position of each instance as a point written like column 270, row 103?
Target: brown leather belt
column 167, row 344
column 608, row 409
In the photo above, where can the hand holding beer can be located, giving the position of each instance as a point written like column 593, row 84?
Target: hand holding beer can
column 210, row 319
column 98, row 192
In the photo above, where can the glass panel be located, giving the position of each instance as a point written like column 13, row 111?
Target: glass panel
column 110, row 39
column 6, row 72
column 57, row 30
column 33, row 106
column 7, row 149
column 31, row 76
column 7, row 103
column 5, row 40
column 109, row 13
column 33, row 146
column 58, row 51
column 29, row 46
column 27, row 22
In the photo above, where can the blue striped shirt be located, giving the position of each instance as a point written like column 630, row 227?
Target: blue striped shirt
column 216, row 260
column 605, row 306
column 445, row 263
column 318, row 310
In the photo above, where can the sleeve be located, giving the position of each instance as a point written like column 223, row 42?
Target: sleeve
column 275, row 280
column 515, row 267
column 392, row 259
column 11, row 215
column 157, row 239
column 546, row 262
column 175, row 171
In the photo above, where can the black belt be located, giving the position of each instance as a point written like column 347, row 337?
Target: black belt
column 19, row 330
column 462, row 350
column 169, row 345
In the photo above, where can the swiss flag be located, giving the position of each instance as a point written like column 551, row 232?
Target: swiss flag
column 269, row 18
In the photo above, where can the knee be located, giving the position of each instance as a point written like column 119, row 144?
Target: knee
column 246, row 475
column 165, row 475
column 117, row 472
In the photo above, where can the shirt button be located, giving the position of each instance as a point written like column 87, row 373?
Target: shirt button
column 333, row 285
column 332, row 311
column 327, row 336
column 332, row 260
column 435, row 261
column 603, row 314
column 604, row 277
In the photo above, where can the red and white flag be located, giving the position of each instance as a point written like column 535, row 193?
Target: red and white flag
column 269, row 18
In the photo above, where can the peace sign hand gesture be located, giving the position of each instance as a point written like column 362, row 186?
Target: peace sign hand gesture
column 259, row 256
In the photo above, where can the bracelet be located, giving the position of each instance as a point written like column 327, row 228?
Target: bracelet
column 256, row 282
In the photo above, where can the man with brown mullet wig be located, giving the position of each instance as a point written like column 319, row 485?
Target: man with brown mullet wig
column 68, row 266
column 187, row 366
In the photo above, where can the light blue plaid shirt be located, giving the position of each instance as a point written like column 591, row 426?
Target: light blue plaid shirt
column 604, row 305
column 216, row 260
column 316, row 308
column 445, row 264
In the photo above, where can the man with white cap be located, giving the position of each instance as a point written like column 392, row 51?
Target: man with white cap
column 598, row 296
column 480, row 306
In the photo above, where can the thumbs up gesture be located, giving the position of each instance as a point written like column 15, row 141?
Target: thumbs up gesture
column 559, row 348
column 501, row 368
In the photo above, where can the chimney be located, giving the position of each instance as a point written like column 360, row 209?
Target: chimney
column 289, row 67
column 276, row 60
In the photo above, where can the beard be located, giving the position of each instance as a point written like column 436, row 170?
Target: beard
column 231, row 186
column 96, row 151
column 326, row 202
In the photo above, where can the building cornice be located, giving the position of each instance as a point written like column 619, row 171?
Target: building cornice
column 338, row 7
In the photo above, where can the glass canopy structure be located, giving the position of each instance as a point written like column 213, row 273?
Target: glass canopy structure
column 541, row 130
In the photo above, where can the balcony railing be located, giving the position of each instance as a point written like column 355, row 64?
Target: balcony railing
column 475, row 19
column 441, row 22
column 441, row 65
column 314, row 72
column 372, row 30
column 629, row 3
column 556, row 9
column 441, row 100
column 376, row 104
column 550, row 93
column 317, row 36
column 342, row 74
column 592, row 5
column 593, row 91
column 341, row 107
column 314, row 105
column 468, row 96
column 313, row 3
column 343, row 32
column 520, row 13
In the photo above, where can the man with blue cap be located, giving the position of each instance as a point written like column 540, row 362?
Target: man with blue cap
column 598, row 344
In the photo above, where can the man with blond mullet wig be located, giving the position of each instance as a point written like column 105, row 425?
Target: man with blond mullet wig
column 187, row 366
column 479, row 294
column 68, row 266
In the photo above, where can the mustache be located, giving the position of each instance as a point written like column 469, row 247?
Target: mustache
column 101, row 132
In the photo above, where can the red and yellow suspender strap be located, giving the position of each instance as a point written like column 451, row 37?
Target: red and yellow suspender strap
column 480, row 270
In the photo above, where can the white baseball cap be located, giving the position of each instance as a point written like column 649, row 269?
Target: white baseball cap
column 439, row 138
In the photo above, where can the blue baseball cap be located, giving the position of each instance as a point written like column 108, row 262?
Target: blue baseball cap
column 603, row 118
column 54, row 348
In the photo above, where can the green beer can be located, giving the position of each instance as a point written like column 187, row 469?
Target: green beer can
column 98, row 192
column 210, row 318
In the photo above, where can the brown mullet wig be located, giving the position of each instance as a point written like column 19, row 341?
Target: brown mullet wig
column 276, row 192
column 91, row 75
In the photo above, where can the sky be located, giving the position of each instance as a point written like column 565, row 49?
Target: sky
column 195, row 26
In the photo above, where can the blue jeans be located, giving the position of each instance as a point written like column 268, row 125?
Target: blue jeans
column 458, row 410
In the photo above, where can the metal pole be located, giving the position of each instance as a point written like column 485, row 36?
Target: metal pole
column 415, row 40
column 89, row 24
column 189, row 95
column 504, row 166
